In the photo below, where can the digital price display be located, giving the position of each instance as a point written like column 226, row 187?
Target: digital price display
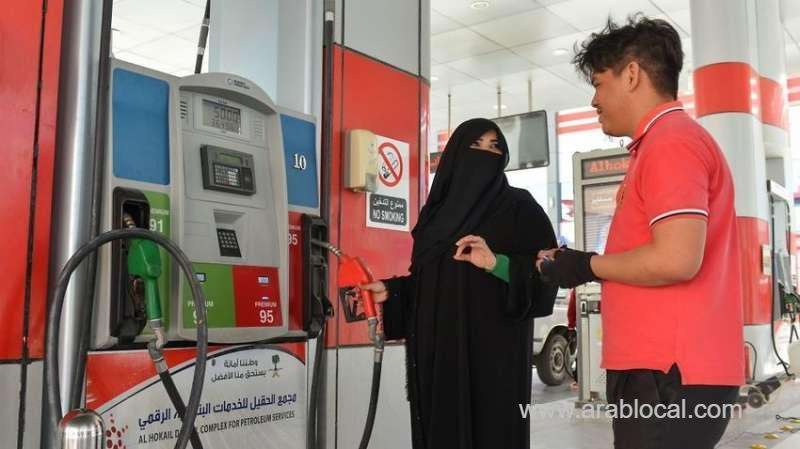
column 225, row 118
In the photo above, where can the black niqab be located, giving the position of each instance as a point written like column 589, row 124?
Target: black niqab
column 467, row 182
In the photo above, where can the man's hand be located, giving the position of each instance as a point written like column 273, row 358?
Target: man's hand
column 544, row 255
column 378, row 289
column 474, row 249
column 568, row 268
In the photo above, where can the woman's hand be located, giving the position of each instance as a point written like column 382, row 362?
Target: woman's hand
column 378, row 289
column 474, row 249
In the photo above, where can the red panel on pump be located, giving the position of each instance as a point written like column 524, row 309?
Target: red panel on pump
column 51, row 58
column 374, row 96
column 757, row 289
column 295, row 271
column 20, row 28
column 258, row 297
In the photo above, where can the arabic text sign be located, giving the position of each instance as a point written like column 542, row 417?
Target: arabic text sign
column 250, row 396
column 388, row 210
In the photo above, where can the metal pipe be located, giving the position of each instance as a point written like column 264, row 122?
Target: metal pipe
column 74, row 165
column 203, row 39
column 499, row 101
column 327, row 120
column 449, row 114
column 530, row 95
column 100, row 135
column 329, row 246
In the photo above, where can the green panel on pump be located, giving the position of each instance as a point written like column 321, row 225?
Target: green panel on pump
column 217, row 283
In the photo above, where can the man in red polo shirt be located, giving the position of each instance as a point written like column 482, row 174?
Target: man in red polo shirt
column 671, row 291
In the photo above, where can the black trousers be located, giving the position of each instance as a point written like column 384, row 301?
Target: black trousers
column 672, row 429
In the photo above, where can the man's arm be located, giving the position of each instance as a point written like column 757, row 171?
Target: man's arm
column 674, row 255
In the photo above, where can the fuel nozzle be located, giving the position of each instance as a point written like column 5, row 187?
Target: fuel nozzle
column 352, row 273
column 144, row 262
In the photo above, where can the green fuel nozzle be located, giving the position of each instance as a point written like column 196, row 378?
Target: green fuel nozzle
column 144, row 261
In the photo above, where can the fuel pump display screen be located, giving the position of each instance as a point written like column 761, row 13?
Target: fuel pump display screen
column 222, row 117
column 229, row 159
column 227, row 170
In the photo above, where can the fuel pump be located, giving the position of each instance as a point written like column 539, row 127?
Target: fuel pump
column 197, row 160
column 784, row 301
column 200, row 160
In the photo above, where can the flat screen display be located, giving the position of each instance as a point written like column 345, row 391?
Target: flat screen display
column 526, row 134
column 226, row 118
column 229, row 159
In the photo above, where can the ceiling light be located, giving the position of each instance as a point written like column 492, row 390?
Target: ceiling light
column 501, row 106
column 560, row 52
column 434, row 78
column 479, row 5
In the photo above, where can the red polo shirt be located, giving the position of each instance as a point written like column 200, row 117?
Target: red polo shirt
column 677, row 170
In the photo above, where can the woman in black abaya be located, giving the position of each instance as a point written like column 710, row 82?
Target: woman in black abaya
column 468, row 326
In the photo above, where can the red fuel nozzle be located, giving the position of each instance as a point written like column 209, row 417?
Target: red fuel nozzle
column 352, row 273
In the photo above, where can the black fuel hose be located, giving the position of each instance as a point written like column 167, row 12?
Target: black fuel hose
column 312, row 424
column 180, row 408
column 312, row 429
column 54, row 326
column 373, row 398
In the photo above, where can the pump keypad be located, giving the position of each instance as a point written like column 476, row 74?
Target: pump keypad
column 226, row 176
column 228, row 244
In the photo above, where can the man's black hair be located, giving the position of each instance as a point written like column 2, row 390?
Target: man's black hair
column 653, row 43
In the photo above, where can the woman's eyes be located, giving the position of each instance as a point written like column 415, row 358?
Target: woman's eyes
column 477, row 145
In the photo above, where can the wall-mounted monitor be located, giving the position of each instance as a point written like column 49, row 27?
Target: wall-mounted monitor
column 528, row 144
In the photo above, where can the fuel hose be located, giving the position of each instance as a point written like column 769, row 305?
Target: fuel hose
column 54, row 325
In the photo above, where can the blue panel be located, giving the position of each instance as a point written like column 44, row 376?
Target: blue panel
column 299, row 146
column 140, row 124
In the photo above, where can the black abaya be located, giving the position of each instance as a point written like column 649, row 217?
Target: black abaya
column 469, row 334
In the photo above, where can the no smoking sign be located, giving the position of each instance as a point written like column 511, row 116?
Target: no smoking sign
column 387, row 208
column 391, row 169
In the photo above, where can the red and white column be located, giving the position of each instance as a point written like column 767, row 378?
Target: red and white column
column 729, row 104
column 772, row 88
